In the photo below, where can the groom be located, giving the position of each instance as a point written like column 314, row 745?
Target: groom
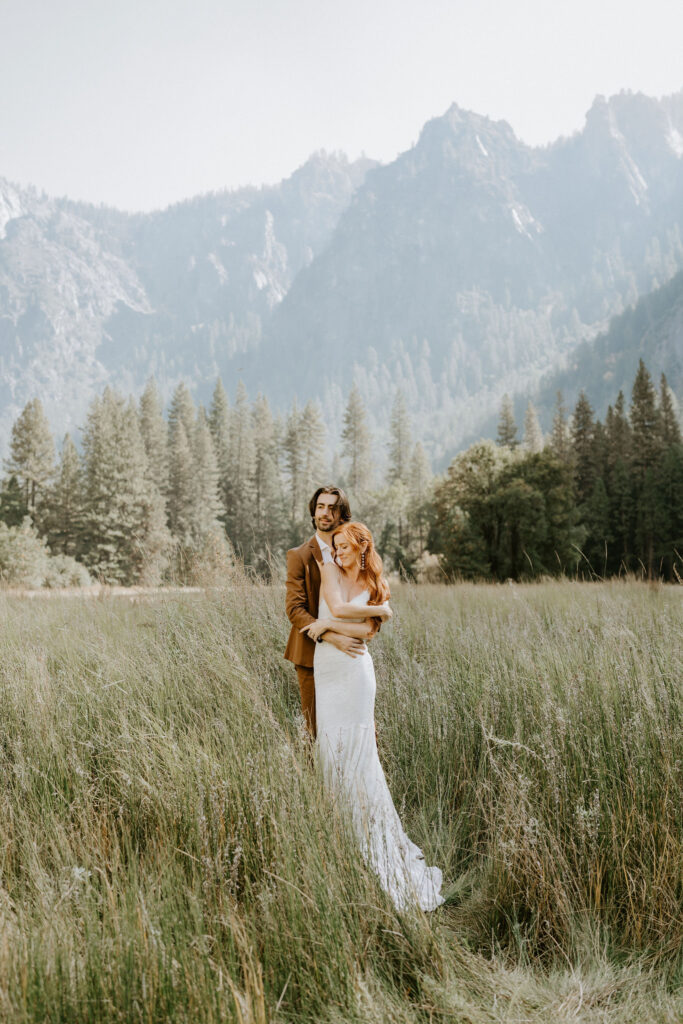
column 329, row 507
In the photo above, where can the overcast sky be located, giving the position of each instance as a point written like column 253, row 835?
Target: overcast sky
column 139, row 103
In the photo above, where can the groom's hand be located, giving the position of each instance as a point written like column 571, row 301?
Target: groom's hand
column 350, row 645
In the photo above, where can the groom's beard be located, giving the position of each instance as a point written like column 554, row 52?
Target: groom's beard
column 327, row 527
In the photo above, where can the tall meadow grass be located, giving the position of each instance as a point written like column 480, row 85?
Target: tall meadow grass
column 168, row 852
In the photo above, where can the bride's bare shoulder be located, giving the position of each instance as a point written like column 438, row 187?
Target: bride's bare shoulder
column 331, row 578
column 330, row 571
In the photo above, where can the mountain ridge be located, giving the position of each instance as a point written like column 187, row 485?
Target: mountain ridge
column 471, row 265
column 97, row 295
column 502, row 257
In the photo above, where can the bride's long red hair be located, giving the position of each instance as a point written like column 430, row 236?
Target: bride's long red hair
column 357, row 534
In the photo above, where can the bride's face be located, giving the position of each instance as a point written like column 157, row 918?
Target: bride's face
column 347, row 556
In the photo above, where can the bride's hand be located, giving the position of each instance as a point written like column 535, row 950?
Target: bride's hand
column 316, row 629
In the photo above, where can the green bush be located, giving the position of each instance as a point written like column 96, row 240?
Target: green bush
column 65, row 571
column 24, row 557
column 25, row 561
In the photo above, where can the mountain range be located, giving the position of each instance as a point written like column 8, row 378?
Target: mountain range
column 471, row 265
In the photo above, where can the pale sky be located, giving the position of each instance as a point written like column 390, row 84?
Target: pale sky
column 140, row 103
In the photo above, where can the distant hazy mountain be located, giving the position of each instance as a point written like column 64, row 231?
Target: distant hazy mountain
column 604, row 365
column 89, row 295
column 471, row 265
column 653, row 330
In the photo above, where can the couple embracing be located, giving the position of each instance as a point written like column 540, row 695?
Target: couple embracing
column 336, row 598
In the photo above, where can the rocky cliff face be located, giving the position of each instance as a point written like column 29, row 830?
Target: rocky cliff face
column 471, row 265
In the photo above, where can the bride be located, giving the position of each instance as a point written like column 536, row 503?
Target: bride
column 355, row 593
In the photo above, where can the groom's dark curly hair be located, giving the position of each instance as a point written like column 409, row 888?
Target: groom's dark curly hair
column 342, row 502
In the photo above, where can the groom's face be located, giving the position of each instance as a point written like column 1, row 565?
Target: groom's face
column 327, row 513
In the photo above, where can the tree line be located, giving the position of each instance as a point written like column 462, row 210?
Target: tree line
column 151, row 496
column 594, row 499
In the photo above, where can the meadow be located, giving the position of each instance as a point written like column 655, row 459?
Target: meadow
column 168, row 853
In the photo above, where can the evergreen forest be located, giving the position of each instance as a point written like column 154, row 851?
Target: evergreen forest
column 180, row 496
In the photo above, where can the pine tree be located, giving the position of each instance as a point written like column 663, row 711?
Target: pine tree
column 154, row 435
column 13, row 507
column 241, row 474
column 400, row 440
column 622, row 515
column 124, row 527
column 279, row 430
column 66, row 500
column 268, row 495
column 618, row 434
column 32, row 454
column 208, row 508
column 600, row 460
column 560, row 436
column 313, row 437
column 396, row 495
column 507, row 428
column 669, row 526
column 101, row 468
column 294, row 457
column 420, row 481
column 533, row 435
column 151, row 542
column 181, row 470
column 219, row 422
column 670, row 425
column 337, row 470
column 181, row 410
column 647, row 448
column 181, row 489
column 583, row 444
column 647, row 515
column 356, row 445
column 645, row 424
column 305, row 464
column 219, row 416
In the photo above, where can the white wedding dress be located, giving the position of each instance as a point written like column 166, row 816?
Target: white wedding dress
column 347, row 750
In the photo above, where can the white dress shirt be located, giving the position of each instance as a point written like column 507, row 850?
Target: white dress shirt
column 325, row 550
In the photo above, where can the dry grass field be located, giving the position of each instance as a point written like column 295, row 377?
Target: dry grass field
column 167, row 851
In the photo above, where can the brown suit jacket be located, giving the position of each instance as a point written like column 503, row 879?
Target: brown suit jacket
column 302, row 598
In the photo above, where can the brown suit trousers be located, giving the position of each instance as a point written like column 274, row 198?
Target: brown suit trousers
column 307, row 691
column 301, row 604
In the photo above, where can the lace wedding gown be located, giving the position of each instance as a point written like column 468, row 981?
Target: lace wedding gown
column 347, row 749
